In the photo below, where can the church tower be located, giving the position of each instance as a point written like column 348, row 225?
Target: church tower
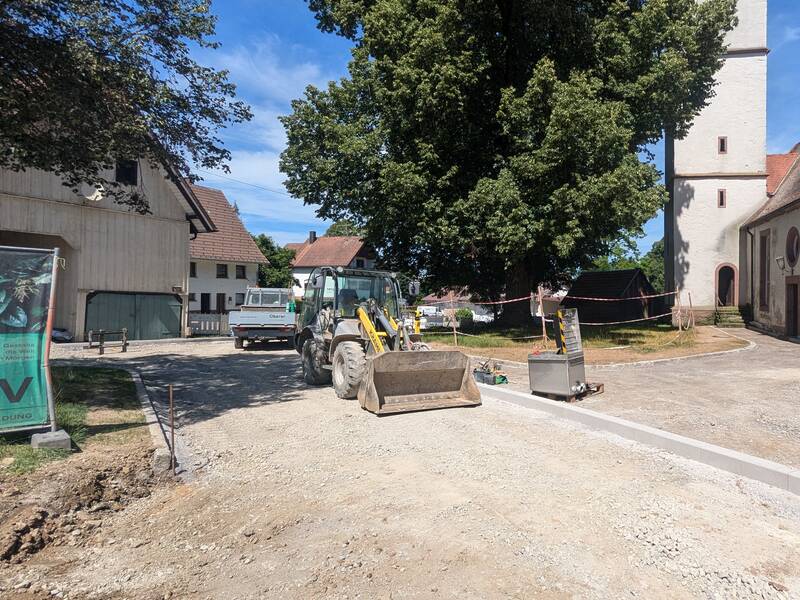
column 717, row 175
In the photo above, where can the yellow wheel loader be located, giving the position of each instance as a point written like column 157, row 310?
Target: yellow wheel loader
column 350, row 332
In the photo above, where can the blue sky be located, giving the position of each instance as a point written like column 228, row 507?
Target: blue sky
column 273, row 50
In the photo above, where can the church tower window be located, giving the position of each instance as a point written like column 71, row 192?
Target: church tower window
column 722, row 144
column 722, row 198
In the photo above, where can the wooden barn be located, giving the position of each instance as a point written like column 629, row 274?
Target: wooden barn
column 625, row 287
column 121, row 268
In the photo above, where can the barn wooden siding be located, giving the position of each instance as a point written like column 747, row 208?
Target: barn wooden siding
column 106, row 247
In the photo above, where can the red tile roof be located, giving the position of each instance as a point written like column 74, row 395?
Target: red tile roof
column 335, row 251
column 778, row 166
column 787, row 192
column 230, row 242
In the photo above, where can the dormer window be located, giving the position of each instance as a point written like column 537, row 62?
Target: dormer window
column 127, row 172
column 722, row 145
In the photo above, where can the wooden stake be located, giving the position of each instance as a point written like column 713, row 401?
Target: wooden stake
column 691, row 312
column 453, row 319
column 171, row 431
column 541, row 310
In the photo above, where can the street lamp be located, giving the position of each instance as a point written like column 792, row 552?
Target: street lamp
column 781, row 262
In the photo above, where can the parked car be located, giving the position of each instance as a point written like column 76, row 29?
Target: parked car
column 267, row 314
column 61, row 336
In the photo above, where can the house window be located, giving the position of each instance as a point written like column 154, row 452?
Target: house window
column 239, row 299
column 792, row 247
column 192, row 297
column 722, row 144
column 222, row 271
column 359, row 263
column 722, row 198
column 241, row 271
column 763, row 271
column 192, row 269
column 127, row 172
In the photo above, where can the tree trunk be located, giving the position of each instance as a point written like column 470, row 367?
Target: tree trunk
column 519, row 283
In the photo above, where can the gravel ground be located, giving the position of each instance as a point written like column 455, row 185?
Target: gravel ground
column 748, row 400
column 297, row 494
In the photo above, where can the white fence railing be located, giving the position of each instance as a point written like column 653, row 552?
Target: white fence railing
column 209, row 324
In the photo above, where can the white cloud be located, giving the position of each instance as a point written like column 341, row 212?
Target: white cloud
column 264, row 74
column 791, row 34
column 269, row 73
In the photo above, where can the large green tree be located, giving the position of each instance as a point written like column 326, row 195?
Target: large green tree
column 278, row 273
column 344, row 227
column 86, row 82
column 496, row 143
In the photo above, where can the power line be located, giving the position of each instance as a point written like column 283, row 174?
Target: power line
column 260, row 187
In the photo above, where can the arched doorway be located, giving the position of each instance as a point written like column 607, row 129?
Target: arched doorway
column 727, row 285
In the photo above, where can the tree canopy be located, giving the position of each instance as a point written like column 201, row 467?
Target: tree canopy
column 278, row 273
column 344, row 227
column 496, row 143
column 86, row 82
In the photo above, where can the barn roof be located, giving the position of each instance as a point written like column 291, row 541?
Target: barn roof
column 230, row 242
column 607, row 284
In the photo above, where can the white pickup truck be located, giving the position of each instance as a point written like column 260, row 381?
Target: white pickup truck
column 267, row 313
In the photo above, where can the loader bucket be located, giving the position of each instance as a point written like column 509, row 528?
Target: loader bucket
column 406, row 381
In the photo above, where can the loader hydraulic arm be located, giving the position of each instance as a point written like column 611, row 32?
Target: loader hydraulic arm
column 369, row 328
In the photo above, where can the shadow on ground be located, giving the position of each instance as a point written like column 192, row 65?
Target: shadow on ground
column 205, row 387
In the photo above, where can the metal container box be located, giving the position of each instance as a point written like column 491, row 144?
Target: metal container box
column 557, row 374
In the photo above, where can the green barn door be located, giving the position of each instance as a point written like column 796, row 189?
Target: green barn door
column 146, row 316
column 111, row 312
column 159, row 317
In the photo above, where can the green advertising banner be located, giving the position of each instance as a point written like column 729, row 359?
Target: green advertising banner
column 25, row 286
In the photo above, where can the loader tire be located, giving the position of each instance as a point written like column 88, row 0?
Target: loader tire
column 313, row 373
column 238, row 343
column 349, row 366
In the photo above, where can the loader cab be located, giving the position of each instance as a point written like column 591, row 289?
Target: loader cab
column 343, row 290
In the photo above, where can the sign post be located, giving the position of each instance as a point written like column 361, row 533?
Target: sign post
column 27, row 308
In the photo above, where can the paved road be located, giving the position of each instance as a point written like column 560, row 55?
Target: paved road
column 747, row 400
column 298, row 494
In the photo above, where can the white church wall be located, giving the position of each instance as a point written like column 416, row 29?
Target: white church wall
column 737, row 112
column 707, row 236
column 752, row 29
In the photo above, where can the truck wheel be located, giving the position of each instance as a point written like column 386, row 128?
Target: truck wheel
column 238, row 343
column 313, row 373
column 349, row 365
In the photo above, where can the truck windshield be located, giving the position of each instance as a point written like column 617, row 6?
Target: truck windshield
column 353, row 290
column 267, row 298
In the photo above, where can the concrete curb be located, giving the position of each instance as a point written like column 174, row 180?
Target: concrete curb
column 161, row 454
column 738, row 463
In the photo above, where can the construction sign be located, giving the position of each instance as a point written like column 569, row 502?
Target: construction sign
column 26, row 278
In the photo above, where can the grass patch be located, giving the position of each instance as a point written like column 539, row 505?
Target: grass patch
column 642, row 337
column 92, row 404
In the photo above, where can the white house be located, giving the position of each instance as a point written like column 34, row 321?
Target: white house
column 333, row 251
column 121, row 268
column 224, row 263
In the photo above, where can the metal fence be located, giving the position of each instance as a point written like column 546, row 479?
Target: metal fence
column 208, row 324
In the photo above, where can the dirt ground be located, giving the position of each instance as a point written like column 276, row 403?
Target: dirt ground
column 294, row 493
column 706, row 339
